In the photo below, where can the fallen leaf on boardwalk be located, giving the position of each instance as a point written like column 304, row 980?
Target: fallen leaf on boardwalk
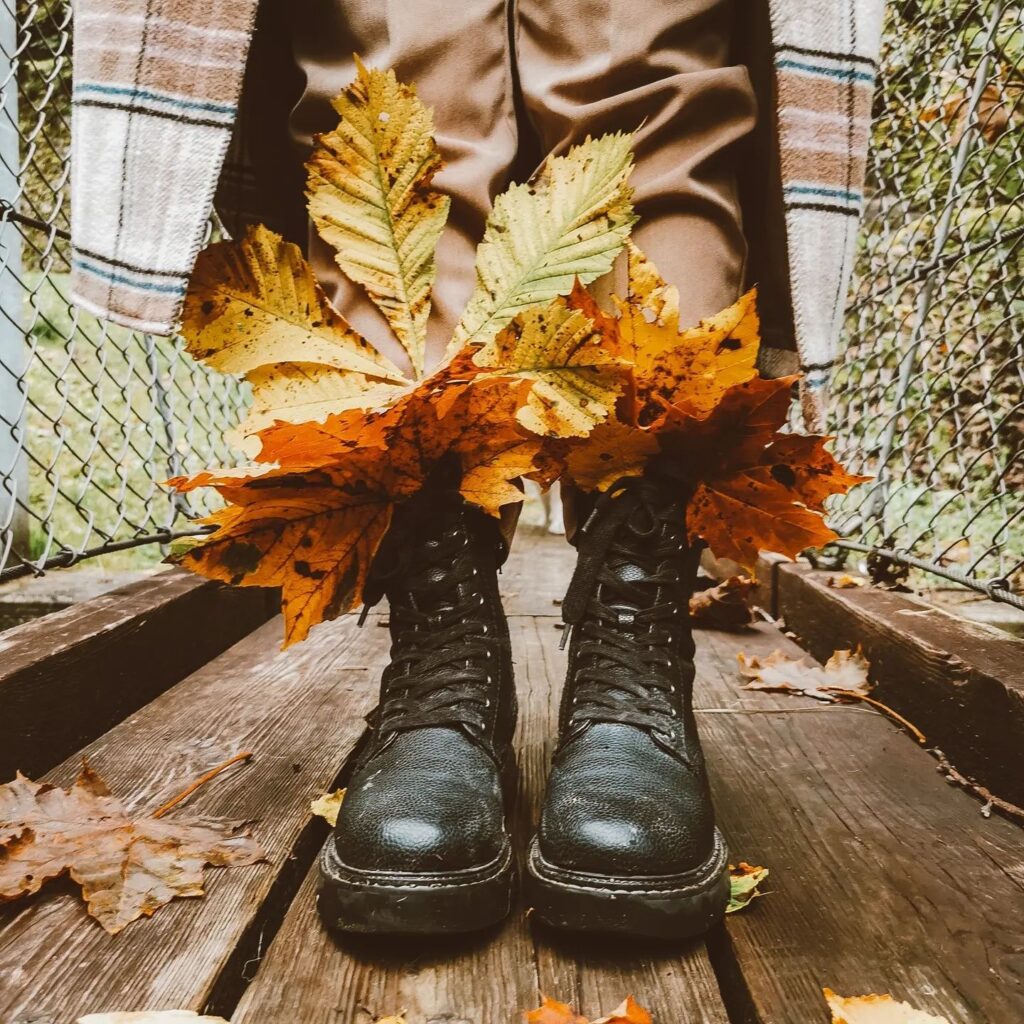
column 628, row 1012
column 744, row 880
column 845, row 582
column 328, row 806
column 725, row 606
column 150, row 1017
column 875, row 1009
column 551, row 1011
column 370, row 197
column 128, row 866
column 844, row 672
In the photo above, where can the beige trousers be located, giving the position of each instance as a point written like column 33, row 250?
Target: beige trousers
column 513, row 80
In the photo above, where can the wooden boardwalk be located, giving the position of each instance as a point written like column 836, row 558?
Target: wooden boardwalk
column 883, row 878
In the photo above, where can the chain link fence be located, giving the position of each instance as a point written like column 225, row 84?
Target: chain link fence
column 91, row 416
column 928, row 398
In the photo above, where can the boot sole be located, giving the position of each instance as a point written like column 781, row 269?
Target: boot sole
column 666, row 907
column 395, row 903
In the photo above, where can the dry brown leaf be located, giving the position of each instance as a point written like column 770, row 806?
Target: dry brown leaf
column 725, row 606
column 127, row 865
column 844, row 672
column 992, row 115
column 327, row 806
column 845, row 581
column 876, row 1009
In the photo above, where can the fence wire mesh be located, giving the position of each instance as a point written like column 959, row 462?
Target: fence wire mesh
column 928, row 396
column 91, row 416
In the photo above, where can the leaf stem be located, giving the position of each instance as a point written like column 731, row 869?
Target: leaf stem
column 202, row 780
column 884, row 708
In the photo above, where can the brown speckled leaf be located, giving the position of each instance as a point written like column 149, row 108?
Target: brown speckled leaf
column 127, row 866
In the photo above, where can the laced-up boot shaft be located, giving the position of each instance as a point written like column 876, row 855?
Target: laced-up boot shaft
column 626, row 610
column 627, row 841
column 421, row 843
column 450, row 647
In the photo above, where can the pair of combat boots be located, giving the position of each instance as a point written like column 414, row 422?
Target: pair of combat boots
column 627, row 840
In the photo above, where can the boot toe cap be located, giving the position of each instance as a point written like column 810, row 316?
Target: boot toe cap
column 424, row 819
column 640, row 813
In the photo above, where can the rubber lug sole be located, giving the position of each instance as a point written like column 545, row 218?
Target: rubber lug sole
column 672, row 907
column 415, row 904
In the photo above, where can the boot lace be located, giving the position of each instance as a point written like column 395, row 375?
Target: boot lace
column 625, row 631
column 444, row 652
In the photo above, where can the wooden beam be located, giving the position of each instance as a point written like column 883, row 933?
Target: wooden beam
column 960, row 682
column 309, row 976
column 300, row 712
column 70, row 676
column 883, row 877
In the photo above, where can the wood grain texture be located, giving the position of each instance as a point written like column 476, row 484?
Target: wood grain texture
column 67, row 678
column 960, row 682
column 883, row 878
column 308, row 976
column 300, row 713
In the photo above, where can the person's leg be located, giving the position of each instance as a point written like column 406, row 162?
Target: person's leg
column 421, row 843
column 627, row 840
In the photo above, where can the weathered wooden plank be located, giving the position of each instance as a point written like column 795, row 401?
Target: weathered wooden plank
column 960, row 682
column 300, row 712
column 67, row 678
column 883, row 878
column 535, row 577
column 487, row 979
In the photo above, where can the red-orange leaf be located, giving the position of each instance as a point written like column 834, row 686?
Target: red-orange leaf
column 313, row 534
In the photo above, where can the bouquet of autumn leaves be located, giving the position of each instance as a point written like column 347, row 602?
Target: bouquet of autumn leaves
column 538, row 381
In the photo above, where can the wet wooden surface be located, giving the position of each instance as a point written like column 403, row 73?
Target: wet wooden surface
column 883, row 878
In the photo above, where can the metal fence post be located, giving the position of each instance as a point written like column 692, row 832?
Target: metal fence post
column 14, row 529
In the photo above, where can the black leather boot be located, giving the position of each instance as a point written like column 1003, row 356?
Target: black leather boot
column 627, row 840
column 421, row 843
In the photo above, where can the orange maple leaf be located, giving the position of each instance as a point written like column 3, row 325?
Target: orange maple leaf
column 312, row 533
column 756, row 489
column 551, row 1011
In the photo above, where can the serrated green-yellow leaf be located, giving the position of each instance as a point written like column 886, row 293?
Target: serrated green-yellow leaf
column 255, row 301
column 370, row 198
column 569, row 223
column 574, row 379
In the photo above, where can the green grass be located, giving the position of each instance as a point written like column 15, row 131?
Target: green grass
column 110, row 414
